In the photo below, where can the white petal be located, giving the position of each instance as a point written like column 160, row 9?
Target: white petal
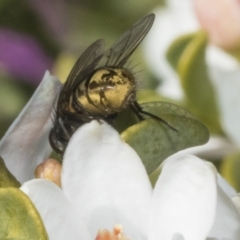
column 236, row 201
column 227, row 223
column 177, row 236
column 106, row 179
column 61, row 218
column 218, row 58
column 184, row 199
column 227, row 88
column 176, row 19
column 226, row 187
column 25, row 144
column 216, row 148
column 216, row 239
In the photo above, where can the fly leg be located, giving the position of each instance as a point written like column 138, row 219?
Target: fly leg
column 64, row 129
column 136, row 108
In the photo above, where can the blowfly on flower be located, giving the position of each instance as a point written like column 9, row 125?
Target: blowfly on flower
column 100, row 86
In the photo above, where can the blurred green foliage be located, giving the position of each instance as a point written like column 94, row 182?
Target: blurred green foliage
column 230, row 169
column 187, row 56
column 19, row 16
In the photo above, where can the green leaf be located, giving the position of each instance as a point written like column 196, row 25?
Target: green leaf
column 124, row 120
column 154, row 141
column 176, row 49
column 195, row 81
column 127, row 118
column 230, row 170
column 6, row 178
column 164, row 108
column 19, row 218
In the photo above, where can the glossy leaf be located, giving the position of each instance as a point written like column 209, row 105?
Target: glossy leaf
column 195, row 81
column 127, row 118
column 154, row 141
column 19, row 218
column 6, row 178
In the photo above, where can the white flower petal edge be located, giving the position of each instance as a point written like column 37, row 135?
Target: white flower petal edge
column 61, row 218
column 227, row 222
column 25, row 144
column 216, row 148
column 184, row 199
column 236, row 201
column 226, row 187
column 106, row 179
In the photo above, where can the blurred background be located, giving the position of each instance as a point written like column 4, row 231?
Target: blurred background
column 36, row 36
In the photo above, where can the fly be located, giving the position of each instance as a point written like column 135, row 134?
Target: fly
column 99, row 86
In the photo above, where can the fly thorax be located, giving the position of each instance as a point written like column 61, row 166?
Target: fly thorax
column 107, row 91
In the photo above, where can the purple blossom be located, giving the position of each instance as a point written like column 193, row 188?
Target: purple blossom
column 22, row 57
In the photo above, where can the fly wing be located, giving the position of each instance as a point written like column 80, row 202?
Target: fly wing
column 121, row 50
column 86, row 62
column 84, row 65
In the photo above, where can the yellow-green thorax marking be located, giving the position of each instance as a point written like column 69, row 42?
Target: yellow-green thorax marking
column 107, row 91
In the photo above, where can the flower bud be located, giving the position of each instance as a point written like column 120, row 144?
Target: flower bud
column 50, row 170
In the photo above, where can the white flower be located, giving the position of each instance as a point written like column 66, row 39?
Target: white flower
column 104, row 184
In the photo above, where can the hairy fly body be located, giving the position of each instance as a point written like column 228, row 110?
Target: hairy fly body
column 99, row 86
